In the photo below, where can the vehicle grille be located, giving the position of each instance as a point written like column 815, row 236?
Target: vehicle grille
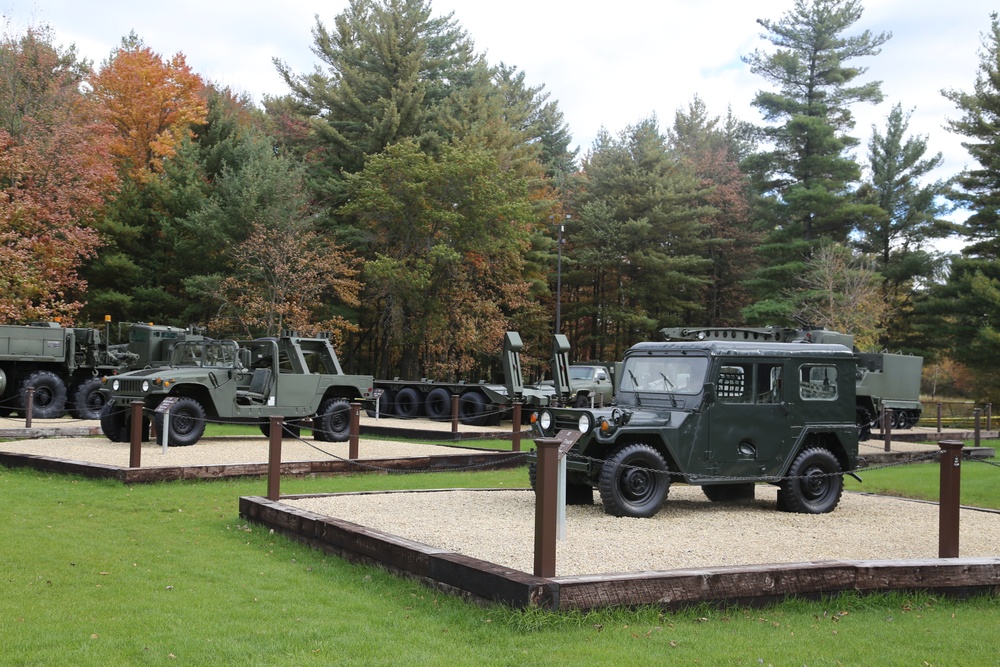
column 131, row 387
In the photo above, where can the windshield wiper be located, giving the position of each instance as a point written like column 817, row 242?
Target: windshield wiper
column 669, row 385
column 635, row 384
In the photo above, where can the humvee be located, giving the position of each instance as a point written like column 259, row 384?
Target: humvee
column 721, row 415
column 239, row 382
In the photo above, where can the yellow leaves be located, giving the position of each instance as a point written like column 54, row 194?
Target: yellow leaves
column 152, row 104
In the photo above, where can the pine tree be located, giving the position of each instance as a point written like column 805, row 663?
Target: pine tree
column 807, row 173
column 980, row 186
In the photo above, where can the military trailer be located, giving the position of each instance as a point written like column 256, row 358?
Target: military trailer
column 884, row 380
column 63, row 365
column 238, row 382
column 719, row 414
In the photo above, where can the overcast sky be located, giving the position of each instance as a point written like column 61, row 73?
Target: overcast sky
column 608, row 64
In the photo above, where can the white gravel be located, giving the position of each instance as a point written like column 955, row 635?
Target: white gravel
column 498, row 526
column 690, row 531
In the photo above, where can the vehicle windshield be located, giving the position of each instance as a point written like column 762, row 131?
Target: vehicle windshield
column 210, row 354
column 668, row 375
column 581, row 372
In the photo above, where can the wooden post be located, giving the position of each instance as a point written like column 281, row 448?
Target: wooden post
column 546, row 504
column 939, row 417
column 949, row 504
column 978, row 411
column 887, row 426
column 29, row 407
column 352, row 446
column 515, row 438
column 135, row 439
column 989, row 416
column 274, row 459
column 454, row 413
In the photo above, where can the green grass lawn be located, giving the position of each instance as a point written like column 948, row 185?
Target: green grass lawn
column 97, row 573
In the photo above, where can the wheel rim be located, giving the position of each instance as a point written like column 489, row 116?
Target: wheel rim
column 816, row 484
column 182, row 423
column 43, row 397
column 338, row 420
column 637, row 485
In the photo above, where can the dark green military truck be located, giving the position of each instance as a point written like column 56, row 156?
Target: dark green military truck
column 721, row 415
column 239, row 382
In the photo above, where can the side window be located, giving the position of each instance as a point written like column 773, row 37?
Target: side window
column 818, row 382
column 769, row 387
column 734, row 384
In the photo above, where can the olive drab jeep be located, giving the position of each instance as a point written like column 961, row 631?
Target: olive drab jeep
column 239, row 382
column 721, row 415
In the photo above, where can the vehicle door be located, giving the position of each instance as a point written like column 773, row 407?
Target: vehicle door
column 750, row 418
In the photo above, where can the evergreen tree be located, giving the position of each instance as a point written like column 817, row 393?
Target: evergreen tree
column 642, row 214
column 808, row 170
column 979, row 187
column 390, row 68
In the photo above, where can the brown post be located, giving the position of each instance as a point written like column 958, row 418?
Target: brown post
column 978, row 412
column 352, row 445
column 546, row 506
column 454, row 413
column 989, row 416
column 515, row 438
column 939, row 416
column 951, row 476
column 274, row 459
column 887, row 426
column 135, row 439
column 29, row 407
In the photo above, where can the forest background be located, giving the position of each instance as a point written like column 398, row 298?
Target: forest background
column 410, row 196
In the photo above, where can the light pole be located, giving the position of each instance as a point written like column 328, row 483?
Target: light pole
column 559, row 277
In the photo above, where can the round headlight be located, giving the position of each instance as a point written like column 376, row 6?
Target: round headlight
column 114, row 385
column 545, row 420
column 145, row 385
column 584, row 424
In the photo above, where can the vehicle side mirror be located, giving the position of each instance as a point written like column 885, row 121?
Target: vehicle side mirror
column 709, row 392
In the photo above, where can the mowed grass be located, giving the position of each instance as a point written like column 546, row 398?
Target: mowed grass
column 979, row 485
column 97, row 573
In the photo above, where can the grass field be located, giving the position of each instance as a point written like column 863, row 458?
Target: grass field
column 97, row 573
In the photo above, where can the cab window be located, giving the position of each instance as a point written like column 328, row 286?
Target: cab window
column 818, row 382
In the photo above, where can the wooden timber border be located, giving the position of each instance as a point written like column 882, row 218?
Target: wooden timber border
column 745, row 585
column 126, row 475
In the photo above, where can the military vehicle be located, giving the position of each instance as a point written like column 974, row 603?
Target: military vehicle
column 238, row 382
column 588, row 384
column 884, row 380
column 478, row 403
column 723, row 415
column 64, row 365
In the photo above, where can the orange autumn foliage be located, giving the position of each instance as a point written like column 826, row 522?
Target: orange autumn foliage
column 152, row 104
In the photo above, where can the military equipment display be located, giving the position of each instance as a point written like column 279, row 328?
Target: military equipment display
column 884, row 380
column 719, row 414
column 478, row 404
column 238, row 382
column 63, row 366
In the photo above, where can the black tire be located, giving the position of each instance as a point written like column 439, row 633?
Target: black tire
column 634, row 482
column 333, row 423
column 814, row 483
column 114, row 423
column 408, row 403
column 385, row 406
column 472, row 408
column 577, row 493
column 289, row 429
column 903, row 421
column 438, row 404
column 49, row 401
column 581, row 401
column 864, row 420
column 725, row 493
column 187, row 422
column 87, row 400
